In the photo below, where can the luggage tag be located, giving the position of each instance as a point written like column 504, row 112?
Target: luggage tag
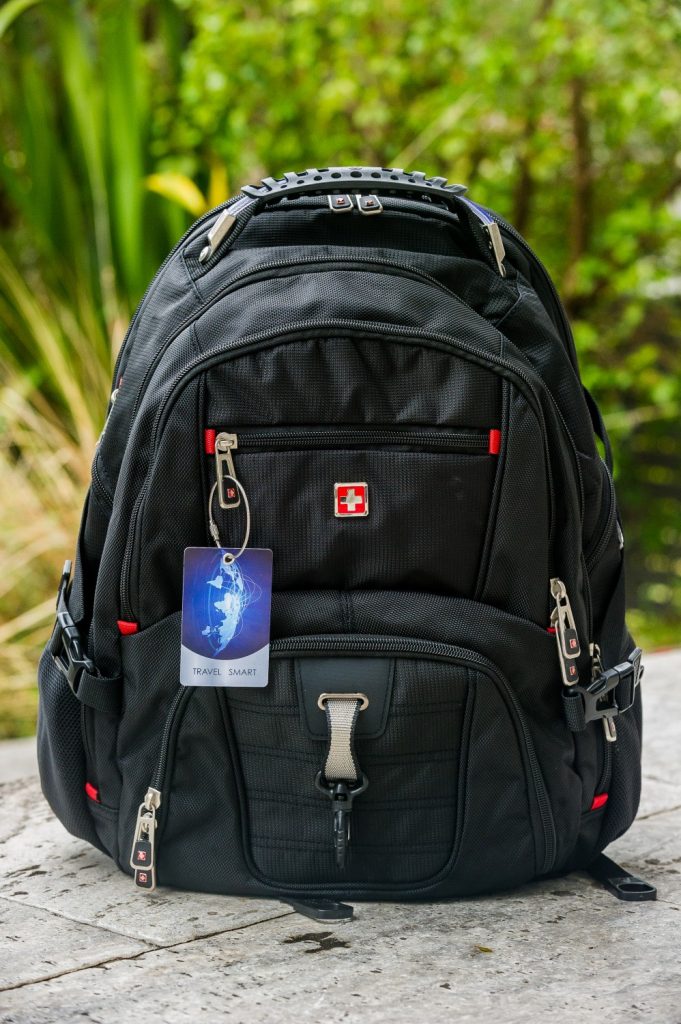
column 226, row 605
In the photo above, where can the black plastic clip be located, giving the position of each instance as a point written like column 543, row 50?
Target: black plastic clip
column 69, row 656
column 610, row 694
column 341, row 794
column 321, row 910
column 619, row 882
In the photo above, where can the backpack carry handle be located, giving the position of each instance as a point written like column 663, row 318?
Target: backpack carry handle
column 378, row 179
column 481, row 227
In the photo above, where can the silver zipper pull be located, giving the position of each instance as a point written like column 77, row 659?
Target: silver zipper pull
column 596, row 661
column 228, row 495
column 112, row 402
column 369, row 205
column 143, row 854
column 567, row 639
column 222, row 227
column 609, row 727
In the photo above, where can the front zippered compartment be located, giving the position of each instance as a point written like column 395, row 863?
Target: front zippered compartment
column 320, row 645
column 241, row 279
column 422, row 648
column 204, row 361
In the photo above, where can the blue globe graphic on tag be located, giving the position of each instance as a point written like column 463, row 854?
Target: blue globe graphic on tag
column 228, row 592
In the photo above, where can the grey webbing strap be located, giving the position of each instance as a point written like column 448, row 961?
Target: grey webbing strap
column 341, row 719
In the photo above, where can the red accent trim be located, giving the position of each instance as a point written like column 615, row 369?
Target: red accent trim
column 494, row 442
column 127, row 628
column 92, row 792
column 598, row 801
column 551, row 630
column 209, row 441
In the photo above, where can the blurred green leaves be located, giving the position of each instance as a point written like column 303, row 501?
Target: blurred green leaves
column 120, row 121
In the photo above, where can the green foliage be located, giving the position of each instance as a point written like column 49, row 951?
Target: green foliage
column 121, row 120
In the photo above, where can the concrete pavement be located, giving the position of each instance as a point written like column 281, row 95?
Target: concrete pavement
column 79, row 943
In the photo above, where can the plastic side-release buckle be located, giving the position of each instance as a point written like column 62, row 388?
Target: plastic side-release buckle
column 68, row 653
column 609, row 694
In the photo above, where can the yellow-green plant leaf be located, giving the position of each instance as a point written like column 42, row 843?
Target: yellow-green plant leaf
column 11, row 11
column 179, row 189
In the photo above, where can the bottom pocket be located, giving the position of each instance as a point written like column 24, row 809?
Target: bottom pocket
column 455, row 801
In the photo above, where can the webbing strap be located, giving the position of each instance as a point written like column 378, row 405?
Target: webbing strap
column 341, row 719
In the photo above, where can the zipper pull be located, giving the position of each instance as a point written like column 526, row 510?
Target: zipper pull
column 369, row 205
column 222, row 227
column 596, row 661
column 609, row 727
column 567, row 639
column 224, row 445
column 143, row 854
column 112, row 401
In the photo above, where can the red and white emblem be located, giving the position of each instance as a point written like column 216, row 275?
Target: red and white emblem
column 351, row 499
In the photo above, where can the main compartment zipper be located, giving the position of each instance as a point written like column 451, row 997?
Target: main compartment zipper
column 144, row 846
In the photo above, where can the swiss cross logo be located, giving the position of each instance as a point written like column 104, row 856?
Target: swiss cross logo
column 141, row 855
column 351, row 499
column 143, row 877
column 573, row 643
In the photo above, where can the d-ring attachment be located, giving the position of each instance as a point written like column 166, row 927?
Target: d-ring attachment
column 215, row 533
column 361, row 697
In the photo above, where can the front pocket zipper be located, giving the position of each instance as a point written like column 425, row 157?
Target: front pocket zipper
column 335, row 438
column 145, row 842
column 340, row 436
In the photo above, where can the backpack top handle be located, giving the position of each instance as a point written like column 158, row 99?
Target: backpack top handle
column 482, row 229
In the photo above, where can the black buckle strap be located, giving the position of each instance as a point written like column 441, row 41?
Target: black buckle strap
column 91, row 688
column 610, row 694
column 67, row 648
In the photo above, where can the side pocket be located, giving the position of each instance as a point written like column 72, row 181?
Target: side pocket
column 91, row 536
column 61, row 754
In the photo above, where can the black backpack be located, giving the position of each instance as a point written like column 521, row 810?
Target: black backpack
column 381, row 371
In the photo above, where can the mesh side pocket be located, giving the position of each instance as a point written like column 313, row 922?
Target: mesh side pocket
column 61, row 754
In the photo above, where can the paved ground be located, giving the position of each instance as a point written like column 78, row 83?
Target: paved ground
column 77, row 943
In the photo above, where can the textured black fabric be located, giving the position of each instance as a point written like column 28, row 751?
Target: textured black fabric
column 392, row 332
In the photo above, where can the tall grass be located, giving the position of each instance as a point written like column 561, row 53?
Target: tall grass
column 80, row 235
